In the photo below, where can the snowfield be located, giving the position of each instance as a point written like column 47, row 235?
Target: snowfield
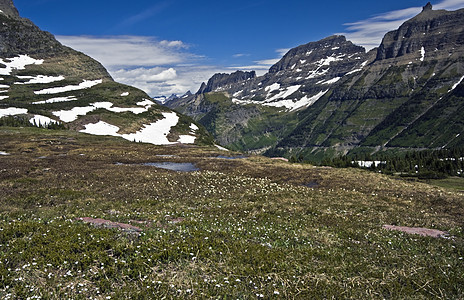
column 39, row 120
column 73, row 114
column 18, row 63
column 86, row 84
column 155, row 133
column 56, row 100
column 12, row 111
column 40, row 79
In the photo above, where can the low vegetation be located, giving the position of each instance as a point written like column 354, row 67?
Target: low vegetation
column 245, row 228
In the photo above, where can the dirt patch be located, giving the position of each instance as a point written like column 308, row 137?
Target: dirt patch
column 110, row 224
column 417, row 230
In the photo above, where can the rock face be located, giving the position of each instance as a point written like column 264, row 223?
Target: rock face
column 223, row 81
column 45, row 83
column 7, row 7
column 331, row 97
column 432, row 32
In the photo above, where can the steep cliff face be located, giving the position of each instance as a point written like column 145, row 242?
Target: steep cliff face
column 432, row 33
column 225, row 81
column 405, row 98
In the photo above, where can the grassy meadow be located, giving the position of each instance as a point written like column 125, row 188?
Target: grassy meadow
column 248, row 228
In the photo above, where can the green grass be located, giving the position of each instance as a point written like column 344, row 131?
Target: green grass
column 241, row 229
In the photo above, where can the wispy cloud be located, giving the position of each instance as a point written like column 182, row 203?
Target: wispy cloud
column 369, row 32
column 143, row 15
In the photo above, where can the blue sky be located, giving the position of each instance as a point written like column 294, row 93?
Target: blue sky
column 171, row 46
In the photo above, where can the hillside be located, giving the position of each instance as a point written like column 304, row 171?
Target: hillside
column 331, row 97
column 43, row 82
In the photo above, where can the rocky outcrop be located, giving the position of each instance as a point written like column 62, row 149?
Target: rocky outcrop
column 225, row 81
column 7, row 7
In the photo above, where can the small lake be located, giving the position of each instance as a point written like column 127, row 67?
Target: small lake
column 173, row 166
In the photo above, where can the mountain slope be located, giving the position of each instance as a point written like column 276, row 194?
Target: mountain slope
column 336, row 98
column 43, row 82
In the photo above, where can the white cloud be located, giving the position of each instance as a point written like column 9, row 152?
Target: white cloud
column 369, row 32
column 129, row 50
column 157, row 67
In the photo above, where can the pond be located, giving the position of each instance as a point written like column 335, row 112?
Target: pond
column 173, row 166
column 229, row 157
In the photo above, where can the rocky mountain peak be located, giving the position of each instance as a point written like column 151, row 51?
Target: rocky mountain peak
column 427, row 7
column 7, row 7
column 224, row 81
column 331, row 46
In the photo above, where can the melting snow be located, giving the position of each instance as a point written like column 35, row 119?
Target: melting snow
column 39, row 120
column 4, row 153
column 272, row 87
column 18, row 63
column 83, row 85
column 101, row 128
column 458, row 83
column 12, row 111
column 125, row 94
column 330, row 81
column 4, row 86
column 58, row 99
column 71, row 115
column 4, row 97
column 368, row 164
column 40, row 79
column 154, row 133
column 422, row 54
column 285, row 93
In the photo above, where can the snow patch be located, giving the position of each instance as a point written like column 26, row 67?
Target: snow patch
column 39, row 121
column 71, row 115
column 101, row 128
column 272, row 87
column 56, row 100
column 4, row 153
column 330, row 81
column 187, row 139
column 12, row 111
column 83, row 85
column 40, row 79
column 285, row 93
column 368, row 164
column 4, row 97
column 155, row 133
column 18, row 63
column 422, row 51
column 456, row 85
column 125, row 94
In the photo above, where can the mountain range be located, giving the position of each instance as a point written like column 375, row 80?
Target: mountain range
column 43, row 82
column 331, row 97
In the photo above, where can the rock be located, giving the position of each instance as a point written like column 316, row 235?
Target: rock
column 416, row 230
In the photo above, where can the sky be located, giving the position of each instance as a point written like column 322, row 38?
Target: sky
column 171, row 46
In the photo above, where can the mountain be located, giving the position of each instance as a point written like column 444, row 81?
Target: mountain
column 331, row 97
column 43, row 82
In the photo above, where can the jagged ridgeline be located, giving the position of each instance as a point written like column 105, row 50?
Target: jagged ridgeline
column 47, row 83
column 331, row 97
